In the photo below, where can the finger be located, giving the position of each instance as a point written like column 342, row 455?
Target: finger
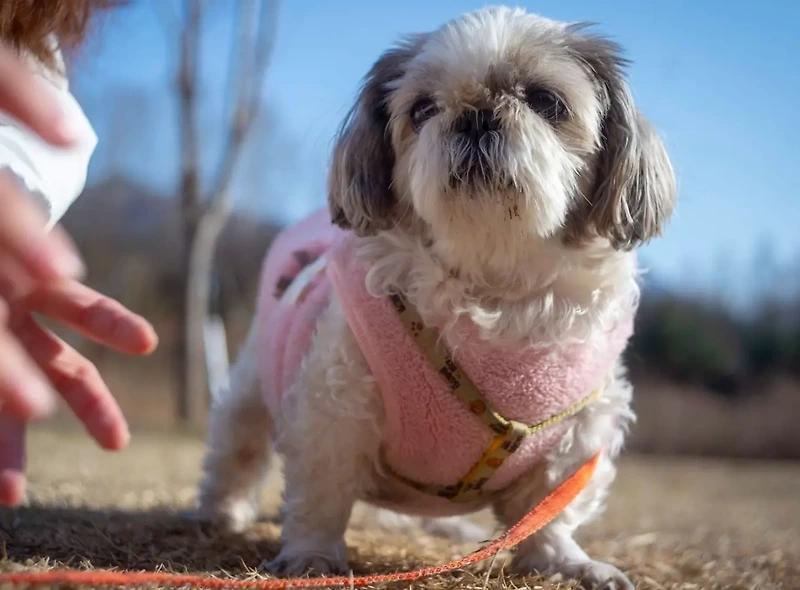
column 94, row 315
column 78, row 382
column 12, row 459
column 27, row 99
column 46, row 256
column 24, row 392
column 14, row 282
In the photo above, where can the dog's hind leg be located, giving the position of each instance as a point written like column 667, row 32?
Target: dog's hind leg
column 237, row 447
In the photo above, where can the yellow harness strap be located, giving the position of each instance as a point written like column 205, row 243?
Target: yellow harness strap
column 508, row 434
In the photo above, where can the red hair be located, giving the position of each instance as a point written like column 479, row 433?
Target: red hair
column 27, row 25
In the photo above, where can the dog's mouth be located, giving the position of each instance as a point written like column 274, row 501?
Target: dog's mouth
column 472, row 172
column 479, row 175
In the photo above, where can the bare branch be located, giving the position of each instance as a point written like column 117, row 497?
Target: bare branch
column 242, row 51
column 190, row 194
column 187, row 90
column 251, row 63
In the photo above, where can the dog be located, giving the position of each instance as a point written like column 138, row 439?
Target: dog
column 453, row 340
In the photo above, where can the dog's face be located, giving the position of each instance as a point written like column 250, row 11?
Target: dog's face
column 499, row 128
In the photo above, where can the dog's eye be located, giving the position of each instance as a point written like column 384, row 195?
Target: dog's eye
column 421, row 111
column 547, row 104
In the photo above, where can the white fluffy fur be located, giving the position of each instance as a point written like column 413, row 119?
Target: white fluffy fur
column 454, row 251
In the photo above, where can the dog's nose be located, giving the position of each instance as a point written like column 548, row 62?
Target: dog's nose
column 475, row 124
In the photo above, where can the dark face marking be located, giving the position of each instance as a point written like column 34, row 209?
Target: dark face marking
column 475, row 124
column 477, row 138
column 360, row 192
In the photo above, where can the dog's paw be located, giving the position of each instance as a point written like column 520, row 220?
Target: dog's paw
column 596, row 575
column 231, row 516
column 320, row 561
column 592, row 575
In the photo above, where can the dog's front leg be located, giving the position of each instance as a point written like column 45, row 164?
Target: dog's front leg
column 329, row 437
column 553, row 550
column 318, row 500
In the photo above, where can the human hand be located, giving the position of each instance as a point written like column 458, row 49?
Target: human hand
column 29, row 254
column 27, row 99
column 95, row 316
column 38, row 273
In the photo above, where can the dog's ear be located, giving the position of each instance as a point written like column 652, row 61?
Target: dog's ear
column 360, row 195
column 631, row 191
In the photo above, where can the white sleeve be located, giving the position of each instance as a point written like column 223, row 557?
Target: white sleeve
column 53, row 175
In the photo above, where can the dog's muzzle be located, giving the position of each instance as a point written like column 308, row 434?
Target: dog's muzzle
column 476, row 124
column 476, row 145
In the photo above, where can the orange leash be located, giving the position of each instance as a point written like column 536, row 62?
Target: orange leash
column 537, row 518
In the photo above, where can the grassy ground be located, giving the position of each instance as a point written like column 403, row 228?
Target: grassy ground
column 670, row 524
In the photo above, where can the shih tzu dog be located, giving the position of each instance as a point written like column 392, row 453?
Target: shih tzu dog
column 453, row 340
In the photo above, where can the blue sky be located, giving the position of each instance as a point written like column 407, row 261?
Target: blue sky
column 719, row 79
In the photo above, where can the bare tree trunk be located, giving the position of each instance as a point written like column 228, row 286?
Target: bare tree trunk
column 198, row 297
column 188, row 363
column 204, row 222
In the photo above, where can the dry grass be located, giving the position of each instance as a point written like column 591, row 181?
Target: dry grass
column 670, row 524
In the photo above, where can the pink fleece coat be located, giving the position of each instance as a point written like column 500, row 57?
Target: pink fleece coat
column 431, row 437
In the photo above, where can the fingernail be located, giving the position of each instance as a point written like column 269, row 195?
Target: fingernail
column 39, row 397
column 124, row 438
column 152, row 340
column 64, row 128
column 63, row 263
column 140, row 339
column 132, row 336
column 111, row 432
column 61, row 124
column 70, row 264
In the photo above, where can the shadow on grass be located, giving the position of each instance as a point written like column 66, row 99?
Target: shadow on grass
column 151, row 540
column 158, row 539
